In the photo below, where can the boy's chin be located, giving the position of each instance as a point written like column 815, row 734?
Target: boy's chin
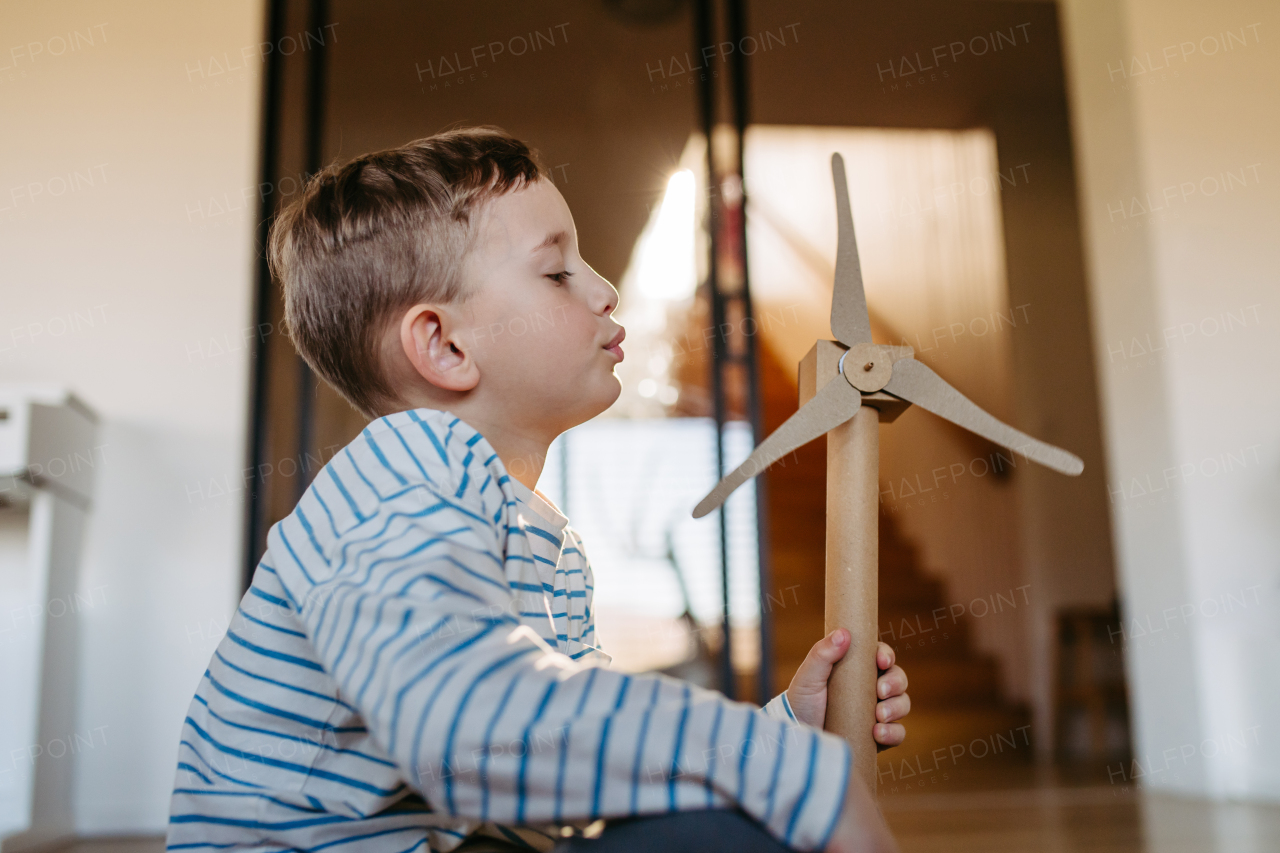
column 615, row 389
column 612, row 391
column 603, row 397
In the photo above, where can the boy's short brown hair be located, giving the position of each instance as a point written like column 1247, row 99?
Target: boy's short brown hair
column 370, row 239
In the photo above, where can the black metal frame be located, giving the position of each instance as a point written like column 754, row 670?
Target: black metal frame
column 316, row 90
column 270, row 163
column 723, row 359
column 271, row 96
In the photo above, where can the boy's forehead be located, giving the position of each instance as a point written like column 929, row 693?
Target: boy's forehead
column 526, row 221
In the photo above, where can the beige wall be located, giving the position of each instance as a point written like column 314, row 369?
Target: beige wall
column 126, row 261
column 1170, row 98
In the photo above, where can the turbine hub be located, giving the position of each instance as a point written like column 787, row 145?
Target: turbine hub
column 870, row 367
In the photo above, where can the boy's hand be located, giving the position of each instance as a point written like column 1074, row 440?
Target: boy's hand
column 808, row 690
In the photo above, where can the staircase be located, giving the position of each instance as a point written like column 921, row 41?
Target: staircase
column 954, row 689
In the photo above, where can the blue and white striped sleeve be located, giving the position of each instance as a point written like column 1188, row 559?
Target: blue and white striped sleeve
column 488, row 722
column 780, row 706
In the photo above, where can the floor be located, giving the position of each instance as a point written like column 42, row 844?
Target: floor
column 116, row 845
column 1022, row 808
column 1002, row 810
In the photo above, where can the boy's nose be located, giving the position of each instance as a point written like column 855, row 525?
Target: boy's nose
column 606, row 295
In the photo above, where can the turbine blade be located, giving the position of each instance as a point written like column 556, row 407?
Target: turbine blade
column 914, row 382
column 834, row 404
column 849, row 322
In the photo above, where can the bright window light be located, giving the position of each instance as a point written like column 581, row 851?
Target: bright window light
column 667, row 268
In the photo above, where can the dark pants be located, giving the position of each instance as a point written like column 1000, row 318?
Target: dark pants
column 702, row 831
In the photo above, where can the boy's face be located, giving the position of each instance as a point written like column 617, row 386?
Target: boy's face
column 538, row 319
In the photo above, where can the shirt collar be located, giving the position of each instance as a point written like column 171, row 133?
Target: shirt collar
column 544, row 509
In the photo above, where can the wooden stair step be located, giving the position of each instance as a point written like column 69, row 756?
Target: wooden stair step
column 944, row 682
column 968, row 734
column 920, row 599
column 911, row 631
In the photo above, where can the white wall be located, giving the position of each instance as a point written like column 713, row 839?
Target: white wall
column 120, row 278
column 1165, row 106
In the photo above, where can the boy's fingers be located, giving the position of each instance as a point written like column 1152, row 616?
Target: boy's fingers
column 884, row 656
column 892, row 683
column 894, row 708
column 816, row 669
column 889, row 734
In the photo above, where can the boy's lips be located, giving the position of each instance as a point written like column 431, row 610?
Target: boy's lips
column 615, row 344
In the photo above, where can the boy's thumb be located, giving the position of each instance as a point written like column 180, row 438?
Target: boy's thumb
column 816, row 668
column 834, row 645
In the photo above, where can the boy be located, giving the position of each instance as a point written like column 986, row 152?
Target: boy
column 414, row 666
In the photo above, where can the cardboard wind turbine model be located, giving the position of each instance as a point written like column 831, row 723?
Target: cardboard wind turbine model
column 847, row 387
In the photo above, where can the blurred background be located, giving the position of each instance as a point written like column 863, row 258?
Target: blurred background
column 1068, row 209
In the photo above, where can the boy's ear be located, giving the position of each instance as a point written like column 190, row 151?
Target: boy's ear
column 436, row 349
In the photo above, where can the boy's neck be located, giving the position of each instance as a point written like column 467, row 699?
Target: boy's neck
column 523, row 453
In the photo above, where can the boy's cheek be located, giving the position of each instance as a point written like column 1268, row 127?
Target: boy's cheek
column 574, row 341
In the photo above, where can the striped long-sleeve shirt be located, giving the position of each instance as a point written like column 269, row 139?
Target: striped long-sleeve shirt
column 415, row 662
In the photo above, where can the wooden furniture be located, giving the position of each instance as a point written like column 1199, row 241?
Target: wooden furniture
column 1091, row 706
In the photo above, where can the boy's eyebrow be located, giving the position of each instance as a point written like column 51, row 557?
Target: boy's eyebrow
column 551, row 240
